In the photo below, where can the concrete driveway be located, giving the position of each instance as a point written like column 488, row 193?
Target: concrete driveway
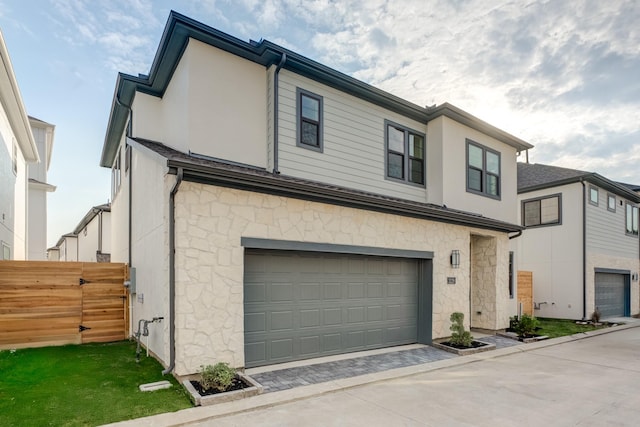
column 568, row 381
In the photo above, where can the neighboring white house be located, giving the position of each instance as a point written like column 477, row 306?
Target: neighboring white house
column 43, row 134
column 17, row 149
column 90, row 241
column 275, row 209
column 580, row 242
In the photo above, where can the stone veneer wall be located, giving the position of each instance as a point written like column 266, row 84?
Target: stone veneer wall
column 210, row 221
column 615, row 263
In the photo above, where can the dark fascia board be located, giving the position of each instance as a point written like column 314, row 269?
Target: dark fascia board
column 461, row 116
column 592, row 178
column 175, row 38
column 273, row 185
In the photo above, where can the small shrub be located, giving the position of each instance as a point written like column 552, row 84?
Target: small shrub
column 459, row 336
column 595, row 317
column 526, row 326
column 219, row 376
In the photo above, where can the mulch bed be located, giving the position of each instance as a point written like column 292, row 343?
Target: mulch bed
column 474, row 344
column 237, row 384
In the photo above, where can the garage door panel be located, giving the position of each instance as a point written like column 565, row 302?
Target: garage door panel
column 610, row 294
column 326, row 304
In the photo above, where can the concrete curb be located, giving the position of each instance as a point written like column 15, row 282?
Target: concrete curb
column 198, row 414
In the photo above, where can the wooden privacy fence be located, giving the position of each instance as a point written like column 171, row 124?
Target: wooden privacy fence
column 525, row 291
column 53, row 303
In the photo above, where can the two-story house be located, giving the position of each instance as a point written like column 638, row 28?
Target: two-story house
column 43, row 134
column 90, row 241
column 275, row 209
column 580, row 242
column 17, row 150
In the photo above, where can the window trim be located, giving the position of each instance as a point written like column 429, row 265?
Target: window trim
column 626, row 218
column 6, row 251
column 609, row 197
column 597, row 192
column 484, row 172
column 534, row 199
column 14, row 157
column 299, row 94
column 407, row 130
column 511, row 274
column 116, row 175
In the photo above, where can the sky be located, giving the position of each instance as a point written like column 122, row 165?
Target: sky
column 561, row 75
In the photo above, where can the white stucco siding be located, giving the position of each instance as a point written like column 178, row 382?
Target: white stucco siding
column 353, row 141
column 119, row 216
column 106, row 232
column 149, row 239
column 37, row 224
column 554, row 255
column 454, row 173
column 212, row 220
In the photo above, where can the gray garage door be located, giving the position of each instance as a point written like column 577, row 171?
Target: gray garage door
column 300, row 305
column 610, row 294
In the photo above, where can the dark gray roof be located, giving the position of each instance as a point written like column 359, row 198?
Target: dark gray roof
column 532, row 177
column 217, row 172
column 632, row 187
column 179, row 29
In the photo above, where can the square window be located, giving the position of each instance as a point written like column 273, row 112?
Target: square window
column 483, row 170
column 405, row 154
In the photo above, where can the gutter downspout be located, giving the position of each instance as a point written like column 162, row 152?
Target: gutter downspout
column 275, row 113
column 172, row 273
column 518, row 234
column 584, row 249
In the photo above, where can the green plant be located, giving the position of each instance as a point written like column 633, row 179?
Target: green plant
column 220, row 376
column 595, row 317
column 459, row 336
column 526, row 325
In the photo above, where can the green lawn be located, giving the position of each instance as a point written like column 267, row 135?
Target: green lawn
column 82, row 385
column 560, row 327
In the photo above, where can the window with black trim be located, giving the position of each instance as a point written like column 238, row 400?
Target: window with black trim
column 483, row 170
column 511, row 275
column 309, row 120
column 405, row 154
column 542, row 211
column 611, row 202
column 593, row 195
column 632, row 220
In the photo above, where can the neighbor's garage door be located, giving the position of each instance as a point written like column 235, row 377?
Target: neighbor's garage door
column 300, row 305
column 610, row 294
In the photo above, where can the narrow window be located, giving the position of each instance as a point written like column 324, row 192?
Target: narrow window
column 14, row 157
column 593, row 195
column 6, row 251
column 483, row 170
column 511, row 275
column 127, row 159
column 405, row 154
column 611, row 202
column 632, row 220
column 541, row 211
column 309, row 120
column 115, row 176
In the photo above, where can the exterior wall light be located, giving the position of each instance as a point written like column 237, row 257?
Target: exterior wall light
column 455, row 258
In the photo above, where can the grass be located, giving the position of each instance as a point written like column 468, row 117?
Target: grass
column 560, row 327
column 82, row 385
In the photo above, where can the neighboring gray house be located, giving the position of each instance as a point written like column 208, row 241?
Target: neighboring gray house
column 275, row 209
column 90, row 241
column 580, row 242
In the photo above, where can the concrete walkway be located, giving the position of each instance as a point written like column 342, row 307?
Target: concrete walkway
column 569, row 381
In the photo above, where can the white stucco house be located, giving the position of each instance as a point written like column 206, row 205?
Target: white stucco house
column 90, row 241
column 580, row 241
column 43, row 134
column 17, row 150
column 275, row 209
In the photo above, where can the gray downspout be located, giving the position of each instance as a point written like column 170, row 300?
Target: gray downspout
column 584, row 249
column 172, row 273
column 275, row 113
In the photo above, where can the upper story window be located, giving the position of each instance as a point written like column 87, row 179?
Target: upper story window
column 14, row 157
column 6, row 251
column 116, row 176
column 405, row 154
column 309, row 120
column 542, row 211
column 632, row 220
column 593, row 195
column 611, row 202
column 483, row 170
